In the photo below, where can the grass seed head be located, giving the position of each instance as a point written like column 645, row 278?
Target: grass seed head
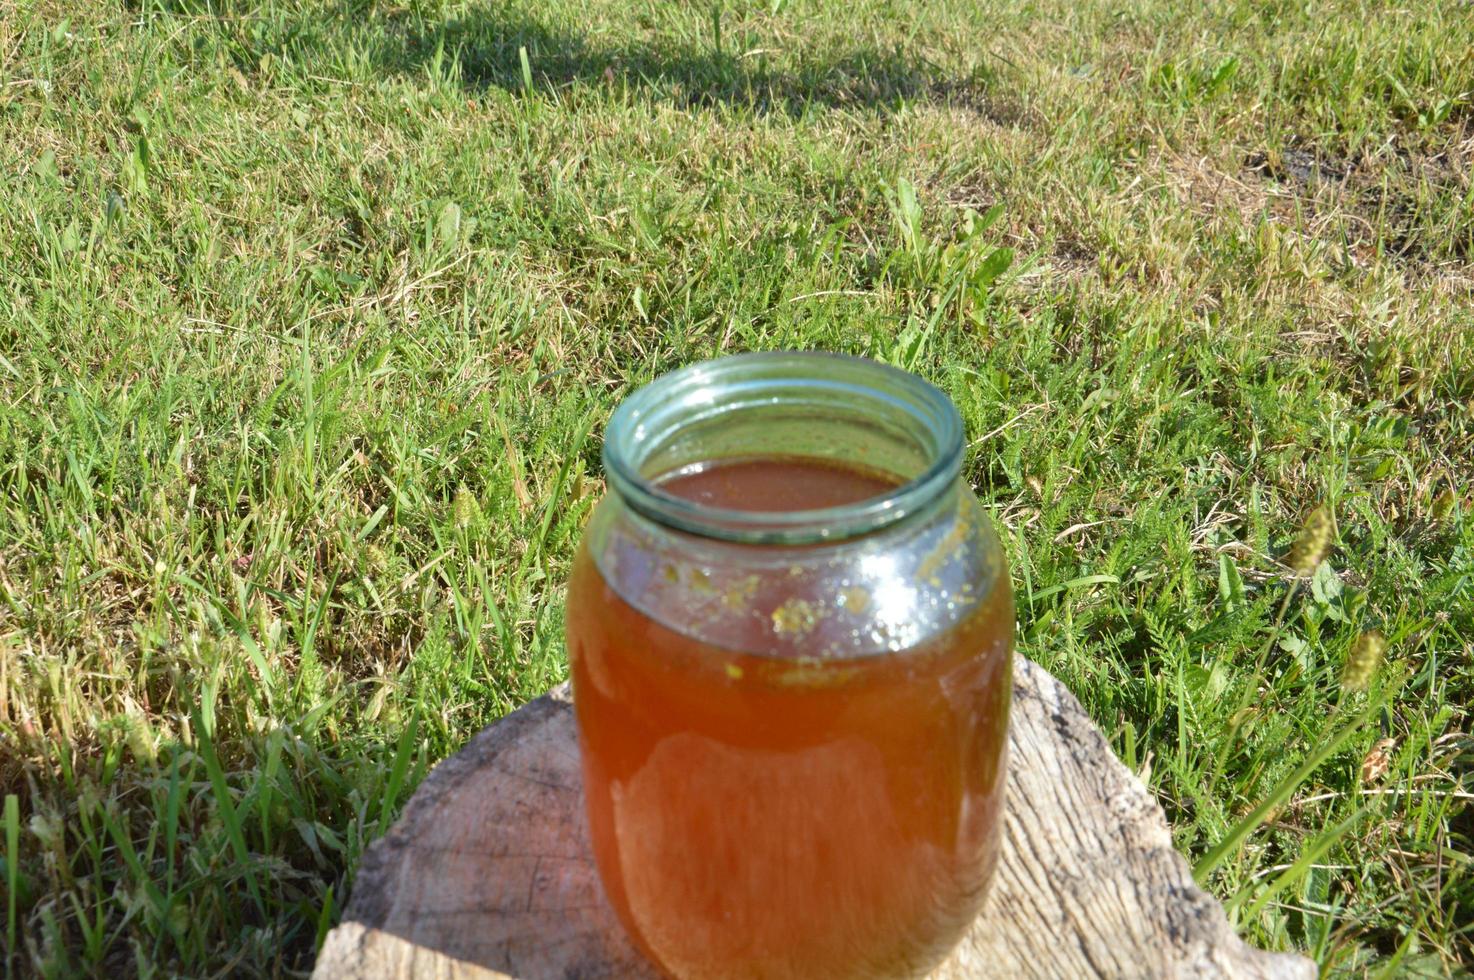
column 464, row 511
column 1443, row 505
column 1314, row 542
column 1363, row 660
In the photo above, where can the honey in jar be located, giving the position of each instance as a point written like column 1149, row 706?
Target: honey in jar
column 790, row 632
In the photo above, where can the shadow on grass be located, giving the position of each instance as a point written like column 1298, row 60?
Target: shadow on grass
column 482, row 49
column 485, row 49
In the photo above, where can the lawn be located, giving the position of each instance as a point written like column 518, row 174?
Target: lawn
column 312, row 315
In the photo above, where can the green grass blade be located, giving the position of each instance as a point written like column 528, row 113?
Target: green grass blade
column 12, row 868
column 226, row 805
column 1295, row 871
column 326, row 916
column 265, row 799
column 158, row 903
column 397, row 773
column 526, row 69
column 1277, row 797
column 1073, row 583
column 1393, row 964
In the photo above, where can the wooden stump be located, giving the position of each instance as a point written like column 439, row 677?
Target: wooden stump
column 489, row 874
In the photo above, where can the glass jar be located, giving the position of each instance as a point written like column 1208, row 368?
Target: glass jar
column 790, row 629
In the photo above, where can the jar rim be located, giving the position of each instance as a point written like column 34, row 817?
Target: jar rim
column 645, row 420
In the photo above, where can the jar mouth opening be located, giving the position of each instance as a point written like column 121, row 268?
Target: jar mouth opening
column 832, row 407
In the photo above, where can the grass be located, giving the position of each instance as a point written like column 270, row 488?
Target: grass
column 312, row 315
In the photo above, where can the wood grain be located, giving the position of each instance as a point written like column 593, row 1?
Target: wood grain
column 488, row 872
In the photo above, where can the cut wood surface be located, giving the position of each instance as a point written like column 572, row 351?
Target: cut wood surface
column 489, row 874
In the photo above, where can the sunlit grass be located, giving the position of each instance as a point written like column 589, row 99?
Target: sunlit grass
column 312, row 316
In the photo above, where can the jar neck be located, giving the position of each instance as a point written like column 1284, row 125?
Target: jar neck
column 846, row 410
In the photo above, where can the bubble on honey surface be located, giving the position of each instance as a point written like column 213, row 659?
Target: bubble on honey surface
column 740, row 593
column 854, row 600
column 815, row 672
column 947, row 549
column 796, row 617
column 699, row 580
column 734, row 672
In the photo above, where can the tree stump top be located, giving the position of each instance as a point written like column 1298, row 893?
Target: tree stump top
column 489, row 872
